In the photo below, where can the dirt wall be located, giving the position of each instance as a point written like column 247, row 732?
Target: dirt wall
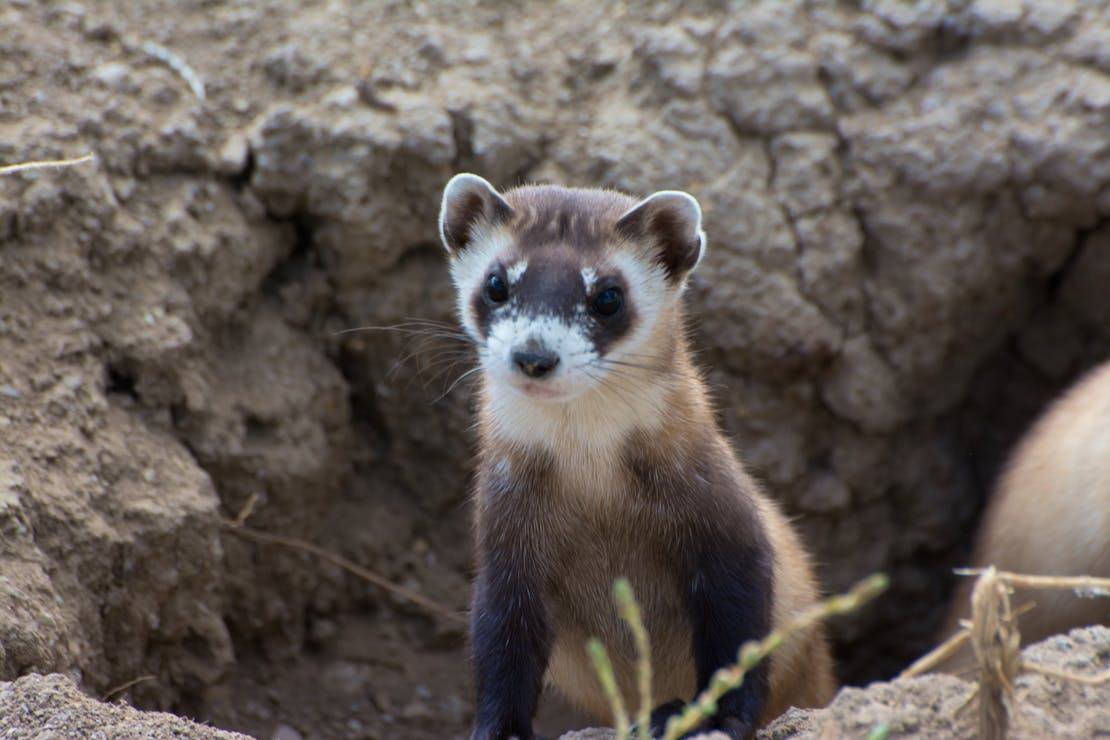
column 907, row 257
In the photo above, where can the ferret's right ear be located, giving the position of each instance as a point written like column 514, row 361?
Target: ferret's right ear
column 469, row 202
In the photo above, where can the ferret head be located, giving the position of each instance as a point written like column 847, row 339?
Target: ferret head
column 561, row 287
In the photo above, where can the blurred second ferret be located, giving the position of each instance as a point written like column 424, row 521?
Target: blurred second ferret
column 1050, row 513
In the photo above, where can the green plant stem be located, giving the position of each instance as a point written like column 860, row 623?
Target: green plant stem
column 730, row 677
column 879, row 732
column 604, row 669
column 629, row 610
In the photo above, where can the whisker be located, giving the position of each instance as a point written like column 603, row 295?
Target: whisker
column 605, row 383
column 416, row 321
column 416, row 328
column 432, row 351
column 636, row 381
column 458, row 380
column 423, row 346
column 641, row 354
column 622, row 369
column 637, row 365
column 445, row 368
column 444, row 357
column 425, row 321
column 425, row 357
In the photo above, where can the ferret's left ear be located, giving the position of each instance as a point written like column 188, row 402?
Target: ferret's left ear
column 669, row 223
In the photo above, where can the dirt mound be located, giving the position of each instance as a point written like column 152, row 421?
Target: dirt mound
column 939, row 705
column 907, row 256
column 48, row 707
column 934, row 705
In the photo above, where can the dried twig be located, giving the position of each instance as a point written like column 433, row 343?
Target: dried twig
column 126, row 685
column 45, row 164
column 937, row 655
column 997, row 644
column 996, row 641
column 950, row 647
column 1084, row 586
column 1068, row 675
column 237, row 526
column 177, row 64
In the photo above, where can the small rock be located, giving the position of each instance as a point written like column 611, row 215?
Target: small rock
column 826, row 493
column 233, row 156
column 322, row 630
column 285, row 732
column 116, row 76
column 416, row 709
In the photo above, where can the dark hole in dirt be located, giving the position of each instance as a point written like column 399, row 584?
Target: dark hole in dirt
column 301, row 260
column 121, row 381
column 197, row 645
column 257, row 428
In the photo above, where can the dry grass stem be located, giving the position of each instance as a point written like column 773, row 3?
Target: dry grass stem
column 996, row 641
column 1068, row 675
column 967, row 700
column 45, row 164
column 1084, row 585
column 997, row 645
column 238, row 526
column 937, row 655
column 177, row 64
column 126, row 685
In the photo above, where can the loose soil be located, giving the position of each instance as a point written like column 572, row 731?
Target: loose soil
column 908, row 254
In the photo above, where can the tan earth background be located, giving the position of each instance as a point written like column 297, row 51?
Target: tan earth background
column 909, row 256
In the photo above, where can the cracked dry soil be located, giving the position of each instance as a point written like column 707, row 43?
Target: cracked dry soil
column 908, row 252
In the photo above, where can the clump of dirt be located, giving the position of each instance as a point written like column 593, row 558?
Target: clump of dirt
column 906, row 213
column 938, row 705
column 51, row 706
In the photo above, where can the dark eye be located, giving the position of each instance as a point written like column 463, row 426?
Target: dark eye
column 496, row 290
column 608, row 302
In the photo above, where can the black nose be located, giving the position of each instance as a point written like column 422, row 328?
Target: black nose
column 535, row 365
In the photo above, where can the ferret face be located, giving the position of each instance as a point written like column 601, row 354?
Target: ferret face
column 560, row 288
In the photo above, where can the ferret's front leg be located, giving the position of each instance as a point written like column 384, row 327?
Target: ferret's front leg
column 729, row 603
column 510, row 638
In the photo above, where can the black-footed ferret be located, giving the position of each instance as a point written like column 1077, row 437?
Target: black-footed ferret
column 600, row 457
column 1050, row 513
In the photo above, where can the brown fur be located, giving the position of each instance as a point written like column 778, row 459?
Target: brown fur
column 579, row 525
column 628, row 475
